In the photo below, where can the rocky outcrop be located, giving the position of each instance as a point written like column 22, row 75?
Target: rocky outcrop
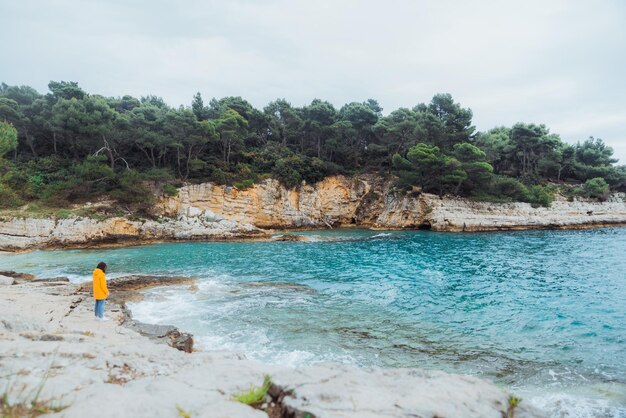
column 127, row 288
column 16, row 275
column 142, row 282
column 6, row 280
column 455, row 214
column 332, row 201
column 27, row 233
column 169, row 334
column 371, row 201
column 54, row 351
column 213, row 212
column 343, row 391
column 289, row 238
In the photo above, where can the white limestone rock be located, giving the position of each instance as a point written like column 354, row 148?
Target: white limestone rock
column 342, row 391
column 6, row 281
column 102, row 369
column 370, row 200
column 208, row 211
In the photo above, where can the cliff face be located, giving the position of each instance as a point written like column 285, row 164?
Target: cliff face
column 23, row 234
column 455, row 214
column 208, row 211
column 370, row 201
column 269, row 205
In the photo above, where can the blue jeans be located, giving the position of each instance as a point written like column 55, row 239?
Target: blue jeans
column 100, row 308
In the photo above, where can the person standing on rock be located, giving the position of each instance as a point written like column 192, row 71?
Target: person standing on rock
column 100, row 290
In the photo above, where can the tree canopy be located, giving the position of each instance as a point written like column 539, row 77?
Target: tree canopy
column 69, row 144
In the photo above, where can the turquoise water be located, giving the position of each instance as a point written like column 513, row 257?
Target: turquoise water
column 543, row 312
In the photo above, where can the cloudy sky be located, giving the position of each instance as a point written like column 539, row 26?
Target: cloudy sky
column 558, row 62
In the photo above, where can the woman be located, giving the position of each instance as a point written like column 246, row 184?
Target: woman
column 100, row 291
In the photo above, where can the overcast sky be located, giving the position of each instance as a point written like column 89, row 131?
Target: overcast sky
column 558, row 62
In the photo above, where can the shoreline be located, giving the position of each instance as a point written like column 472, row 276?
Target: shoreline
column 266, row 235
column 116, row 362
column 129, row 243
column 211, row 212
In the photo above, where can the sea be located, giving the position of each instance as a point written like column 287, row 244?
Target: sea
column 542, row 313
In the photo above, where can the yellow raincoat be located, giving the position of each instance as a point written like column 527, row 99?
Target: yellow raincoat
column 100, row 290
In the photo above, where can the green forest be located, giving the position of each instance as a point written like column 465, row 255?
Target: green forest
column 69, row 146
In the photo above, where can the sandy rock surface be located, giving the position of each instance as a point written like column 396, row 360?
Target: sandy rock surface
column 50, row 340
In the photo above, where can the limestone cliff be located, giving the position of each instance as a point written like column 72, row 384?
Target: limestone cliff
column 371, row 201
column 334, row 200
column 456, row 214
column 208, row 211
column 24, row 233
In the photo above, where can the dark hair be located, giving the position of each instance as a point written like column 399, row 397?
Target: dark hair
column 102, row 266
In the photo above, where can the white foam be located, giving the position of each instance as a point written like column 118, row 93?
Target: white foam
column 166, row 305
column 294, row 358
column 565, row 405
column 257, row 345
column 382, row 235
column 314, row 238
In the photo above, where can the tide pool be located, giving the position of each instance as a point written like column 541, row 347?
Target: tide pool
column 542, row 312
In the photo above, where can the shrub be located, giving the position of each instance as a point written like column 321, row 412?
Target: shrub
column 315, row 170
column 506, row 187
column 170, row 190
column 57, row 194
column 243, row 170
column 333, row 168
column 35, row 184
column 8, row 198
column 539, row 196
column 220, row 176
column 570, row 191
column 64, row 214
column 17, row 180
column 94, row 169
column 597, row 188
column 244, row 185
column 290, row 171
column 50, row 165
column 132, row 190
column 287, row 171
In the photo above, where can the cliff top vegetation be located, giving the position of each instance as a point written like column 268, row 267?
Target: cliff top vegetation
column 69, row 146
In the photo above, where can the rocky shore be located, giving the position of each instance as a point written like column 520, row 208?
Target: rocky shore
column 214, row 212
column 19, row 234
column 53, row 351
column 372, row 201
